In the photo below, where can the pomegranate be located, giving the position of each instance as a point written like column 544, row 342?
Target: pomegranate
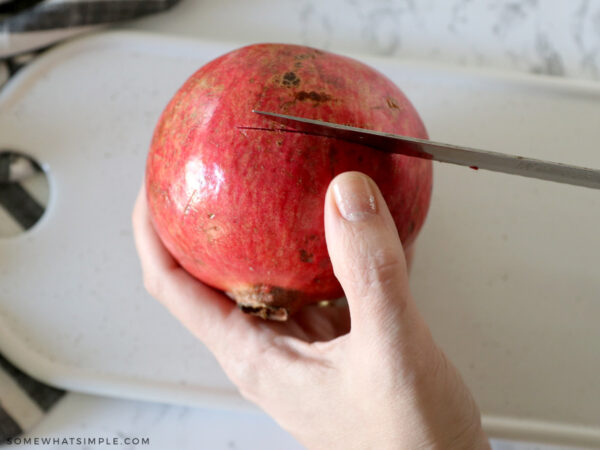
column 238, row 200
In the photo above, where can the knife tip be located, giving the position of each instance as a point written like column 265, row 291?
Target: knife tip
column 265, row 113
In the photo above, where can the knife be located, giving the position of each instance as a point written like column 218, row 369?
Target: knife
column 454, row 154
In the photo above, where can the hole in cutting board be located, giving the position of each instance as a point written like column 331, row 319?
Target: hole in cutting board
column 24, row 192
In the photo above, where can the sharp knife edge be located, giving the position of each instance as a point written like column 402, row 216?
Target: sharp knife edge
column 454, row 154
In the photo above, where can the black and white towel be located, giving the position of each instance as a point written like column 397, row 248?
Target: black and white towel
column 32, row 24
column 27, row 28
column 23, row 400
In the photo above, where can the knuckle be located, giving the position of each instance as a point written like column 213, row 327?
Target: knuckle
column 245, row 373
column 384, row 265
column 253, row 371
column 379, row 270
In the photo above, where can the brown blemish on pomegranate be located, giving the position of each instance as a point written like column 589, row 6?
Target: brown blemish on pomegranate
column 199, row 261
column 305, row 256
column 285, row 106
column 317, row 97
column 290, row 79
column 304, row 56
column 392, row 103
column 157, row 191
column 212, row 233
column 317, row 280
column 206, row 82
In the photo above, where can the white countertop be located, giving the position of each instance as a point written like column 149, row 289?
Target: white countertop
column 543, row 36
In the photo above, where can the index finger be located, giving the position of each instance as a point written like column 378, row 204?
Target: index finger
column 201, row 309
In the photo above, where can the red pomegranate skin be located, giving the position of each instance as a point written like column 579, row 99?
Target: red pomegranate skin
column 239, row 202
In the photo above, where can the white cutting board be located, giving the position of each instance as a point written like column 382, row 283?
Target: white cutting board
column 506, row 273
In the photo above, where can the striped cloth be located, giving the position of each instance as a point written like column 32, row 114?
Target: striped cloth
column 23, row 400
column 32, row 24
column 28, row 27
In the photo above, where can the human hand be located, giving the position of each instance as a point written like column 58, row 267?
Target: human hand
column 381, row 383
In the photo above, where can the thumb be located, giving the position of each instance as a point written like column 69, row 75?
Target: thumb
column 367, row 255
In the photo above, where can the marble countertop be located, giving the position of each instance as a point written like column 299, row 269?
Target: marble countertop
column 181, row 428
column 549, row 37
column 540, row 36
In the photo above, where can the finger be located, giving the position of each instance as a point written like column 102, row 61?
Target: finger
column 201, row 309
column 366, row 254
column 237, row 340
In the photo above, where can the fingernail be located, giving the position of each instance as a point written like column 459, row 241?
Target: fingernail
column 354, row 197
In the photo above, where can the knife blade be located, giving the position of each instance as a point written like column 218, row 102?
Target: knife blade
column 437, row 151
